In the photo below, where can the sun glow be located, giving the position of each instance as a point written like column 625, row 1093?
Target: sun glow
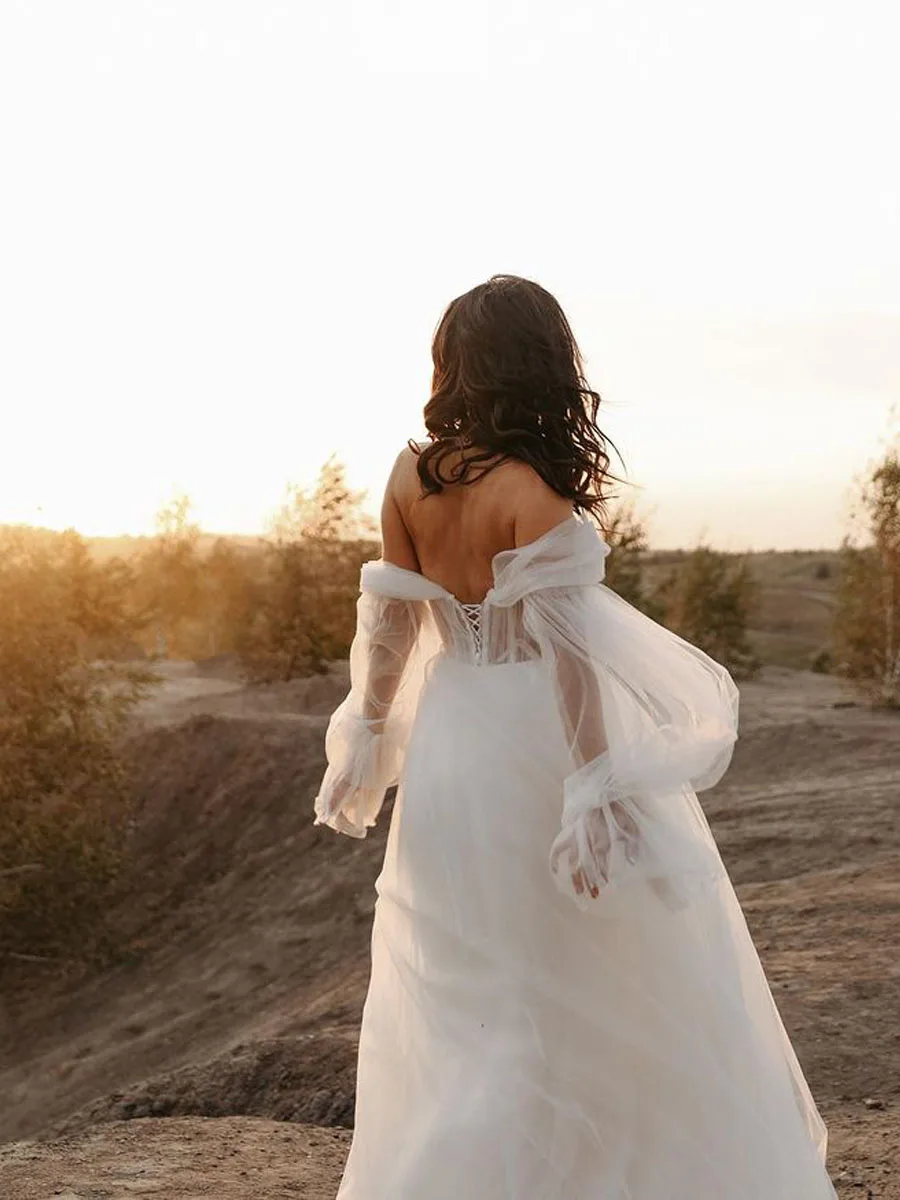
column 229, row 230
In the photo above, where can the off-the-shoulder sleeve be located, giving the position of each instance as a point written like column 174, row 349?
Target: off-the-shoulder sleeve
column 366, row 738
column 649, row 720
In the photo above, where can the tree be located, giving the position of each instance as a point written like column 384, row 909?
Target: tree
column 867, row 623
column 99, row 596
column 331, row 512
column 708, row 601
column 626, row 536
column 306, row 613
column 63, row 785
column 170, row 576
column 230, row 594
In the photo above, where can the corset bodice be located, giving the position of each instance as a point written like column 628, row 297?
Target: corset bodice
column 482, row 633
column 572, row 554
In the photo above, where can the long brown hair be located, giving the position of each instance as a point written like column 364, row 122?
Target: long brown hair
column 509, row 384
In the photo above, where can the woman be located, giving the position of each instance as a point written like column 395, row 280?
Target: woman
column 565, row 1002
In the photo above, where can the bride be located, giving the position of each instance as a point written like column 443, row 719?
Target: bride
column 565, row 1002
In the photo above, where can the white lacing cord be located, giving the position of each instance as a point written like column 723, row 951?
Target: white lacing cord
column 473, row 613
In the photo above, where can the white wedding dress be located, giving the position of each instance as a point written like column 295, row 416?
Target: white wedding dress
column 565, row 1001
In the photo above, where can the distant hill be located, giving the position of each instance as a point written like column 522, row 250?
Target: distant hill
column 797, row 600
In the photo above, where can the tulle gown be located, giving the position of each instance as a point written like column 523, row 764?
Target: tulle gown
column 565, row 1002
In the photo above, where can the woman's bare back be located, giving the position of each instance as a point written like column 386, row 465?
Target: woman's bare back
column 452, row 536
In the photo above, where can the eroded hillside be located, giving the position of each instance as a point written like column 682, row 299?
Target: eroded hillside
column 249, row 930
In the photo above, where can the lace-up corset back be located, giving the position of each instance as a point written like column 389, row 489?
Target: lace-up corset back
column 473, row 614
column 493, row 631
column 480, row 633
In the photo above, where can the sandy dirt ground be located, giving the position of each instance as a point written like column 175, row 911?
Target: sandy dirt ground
column 217, row 1057
column 229, row 1158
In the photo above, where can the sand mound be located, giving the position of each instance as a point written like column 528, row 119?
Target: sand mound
column 309, row 1079
column 247, row 927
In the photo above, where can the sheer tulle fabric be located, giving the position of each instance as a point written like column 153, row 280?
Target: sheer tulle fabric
column 565, row 1000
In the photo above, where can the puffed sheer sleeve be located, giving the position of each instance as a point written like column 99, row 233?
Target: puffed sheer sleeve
column 366, row 738
column 649, row 720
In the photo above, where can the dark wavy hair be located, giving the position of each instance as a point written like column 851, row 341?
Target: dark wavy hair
column 509, row 384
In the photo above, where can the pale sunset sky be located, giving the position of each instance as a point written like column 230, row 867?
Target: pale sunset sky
column 227, row 231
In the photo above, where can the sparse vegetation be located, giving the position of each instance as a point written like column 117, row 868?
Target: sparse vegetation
column 705, row 596
column 72, row 628
column 285, row 605
column 306, row 604
column 708, row 599
column 867, row 628
column 170, row 579
column 231, row 582
column 63, row 786
column 626, row 535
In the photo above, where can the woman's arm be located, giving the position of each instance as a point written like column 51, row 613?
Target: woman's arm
column 363, row 745
column 578, row 699
column 585, row 842
column 396, row 541
column 399, row 626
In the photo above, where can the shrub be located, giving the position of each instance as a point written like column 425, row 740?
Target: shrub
column 708, row 600
column 306, row 608
column 63, row 787
column 867, row 624
column 170, row 581
column 822, row 663
column 626, row 535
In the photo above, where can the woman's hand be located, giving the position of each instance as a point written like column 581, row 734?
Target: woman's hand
column 335, row 796
column 567, row 847
column 586, row 847
column 586, row 876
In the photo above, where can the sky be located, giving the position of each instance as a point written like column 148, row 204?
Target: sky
column 228, row 230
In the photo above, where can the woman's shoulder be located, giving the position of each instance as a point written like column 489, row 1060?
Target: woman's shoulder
column 402, row 482
column 538, row 508
column 511, row 487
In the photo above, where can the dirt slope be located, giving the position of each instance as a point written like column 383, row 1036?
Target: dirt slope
column 250, row 934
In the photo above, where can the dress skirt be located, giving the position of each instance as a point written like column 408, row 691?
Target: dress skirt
column 517, row 1047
